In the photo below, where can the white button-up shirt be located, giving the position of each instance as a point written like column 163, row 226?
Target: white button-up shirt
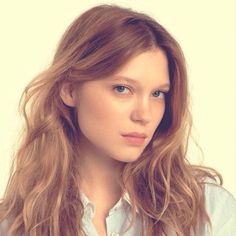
column 116, row 221
column 220, row 205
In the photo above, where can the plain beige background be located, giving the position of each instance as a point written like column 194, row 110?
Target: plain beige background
column 206, row 30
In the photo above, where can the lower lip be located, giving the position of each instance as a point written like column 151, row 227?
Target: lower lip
column 134, row 140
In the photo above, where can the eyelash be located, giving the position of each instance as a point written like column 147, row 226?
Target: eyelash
column 122, row 85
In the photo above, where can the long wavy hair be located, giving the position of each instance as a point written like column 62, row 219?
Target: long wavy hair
column 42, row 196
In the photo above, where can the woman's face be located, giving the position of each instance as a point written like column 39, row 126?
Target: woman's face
column 111, row 107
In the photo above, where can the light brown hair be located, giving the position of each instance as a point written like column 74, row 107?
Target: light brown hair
column 42, row 196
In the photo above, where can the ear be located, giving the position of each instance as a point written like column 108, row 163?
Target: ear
column 67, row 95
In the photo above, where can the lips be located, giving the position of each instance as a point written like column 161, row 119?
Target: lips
column 136, row 135
column 135, row 138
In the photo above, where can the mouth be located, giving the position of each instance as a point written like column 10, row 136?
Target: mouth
column 134, row 139
column 136, row 134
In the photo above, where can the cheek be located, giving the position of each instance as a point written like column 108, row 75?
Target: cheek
column 158, row 115
column 98, row 113
column 161, row 112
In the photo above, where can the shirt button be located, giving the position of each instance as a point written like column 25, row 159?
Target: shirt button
column 115, row 234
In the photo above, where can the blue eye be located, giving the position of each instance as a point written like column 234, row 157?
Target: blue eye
column 120, row 88
column 158, row 93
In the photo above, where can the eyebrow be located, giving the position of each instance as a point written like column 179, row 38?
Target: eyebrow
column 117, row 77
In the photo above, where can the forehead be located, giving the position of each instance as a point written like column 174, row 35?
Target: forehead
column 150, row 67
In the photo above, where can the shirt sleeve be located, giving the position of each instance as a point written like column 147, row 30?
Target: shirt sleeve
column 221, row 207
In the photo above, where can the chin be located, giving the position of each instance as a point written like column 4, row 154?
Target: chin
column 128, row 159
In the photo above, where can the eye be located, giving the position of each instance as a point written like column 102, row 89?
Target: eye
column 120, row 88
column 160, row 93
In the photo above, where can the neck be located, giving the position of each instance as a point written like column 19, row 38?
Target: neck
column 99, row 176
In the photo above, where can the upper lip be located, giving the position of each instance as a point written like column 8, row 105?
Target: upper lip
column 136, row 134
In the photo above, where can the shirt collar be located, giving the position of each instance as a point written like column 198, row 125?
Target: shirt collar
column 125, row 198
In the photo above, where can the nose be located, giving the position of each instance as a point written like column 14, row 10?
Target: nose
column 142, row 111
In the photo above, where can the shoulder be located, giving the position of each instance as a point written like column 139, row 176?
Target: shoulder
column 3, row 227
column 221, row 208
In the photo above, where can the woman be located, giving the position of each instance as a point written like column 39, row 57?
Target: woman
column 103, row 151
